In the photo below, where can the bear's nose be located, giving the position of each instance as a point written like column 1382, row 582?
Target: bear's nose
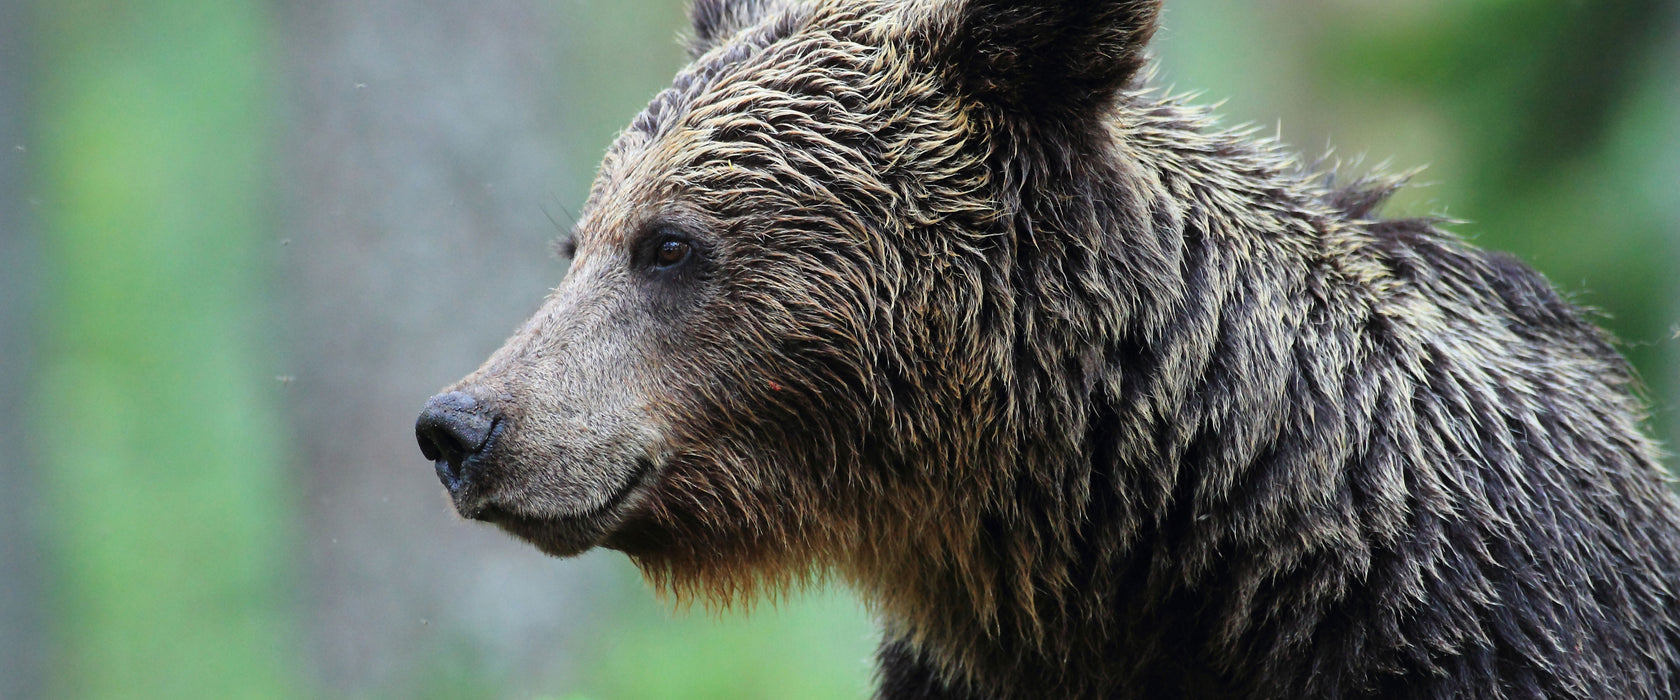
column 452, row 429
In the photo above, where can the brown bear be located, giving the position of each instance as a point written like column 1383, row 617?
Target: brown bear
column 1086, row 397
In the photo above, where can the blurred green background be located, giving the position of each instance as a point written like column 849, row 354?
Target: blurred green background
column 241, row 242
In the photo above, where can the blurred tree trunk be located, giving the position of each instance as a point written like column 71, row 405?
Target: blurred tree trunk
column 22, row 638
column 164, row 504
column 432, row 154
column 422, row 153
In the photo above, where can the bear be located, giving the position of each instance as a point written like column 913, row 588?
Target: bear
column 1084, row 395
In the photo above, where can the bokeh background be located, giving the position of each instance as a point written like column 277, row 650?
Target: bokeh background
column 241, row 242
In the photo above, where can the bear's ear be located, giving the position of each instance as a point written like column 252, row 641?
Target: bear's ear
column 716, row 20
column 1055, row 58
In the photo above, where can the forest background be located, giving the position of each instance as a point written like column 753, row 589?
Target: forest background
column 242, row 241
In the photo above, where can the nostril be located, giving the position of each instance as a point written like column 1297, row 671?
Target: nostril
column 437, row 442
column 451, row 429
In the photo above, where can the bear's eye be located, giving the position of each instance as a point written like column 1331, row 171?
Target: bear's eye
column 670, row 252
column 665, row 248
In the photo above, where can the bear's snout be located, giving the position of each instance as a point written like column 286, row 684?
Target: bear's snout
column 453, row 429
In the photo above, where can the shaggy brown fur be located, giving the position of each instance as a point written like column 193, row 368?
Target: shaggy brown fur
column 1087, row 397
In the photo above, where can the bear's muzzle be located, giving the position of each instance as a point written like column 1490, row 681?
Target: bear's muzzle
column 454, row 431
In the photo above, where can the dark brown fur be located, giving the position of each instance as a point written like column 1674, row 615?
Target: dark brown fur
column 1085, row 396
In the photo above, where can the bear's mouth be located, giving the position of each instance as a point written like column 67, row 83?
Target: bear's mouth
column 571, row 534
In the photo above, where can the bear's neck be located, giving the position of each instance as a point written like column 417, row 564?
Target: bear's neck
column 1178, row 295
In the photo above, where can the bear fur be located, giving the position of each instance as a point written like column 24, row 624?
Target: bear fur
column 1083, row 395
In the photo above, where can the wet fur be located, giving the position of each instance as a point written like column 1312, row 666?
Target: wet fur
column 1089, row 397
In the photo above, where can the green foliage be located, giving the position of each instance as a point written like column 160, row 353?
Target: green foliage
column 813, row 646
column 160, row 435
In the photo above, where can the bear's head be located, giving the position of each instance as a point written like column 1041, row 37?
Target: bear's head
column 823, row 311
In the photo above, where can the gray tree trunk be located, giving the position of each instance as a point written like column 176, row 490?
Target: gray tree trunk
column 22, row 639
column 426, row 167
